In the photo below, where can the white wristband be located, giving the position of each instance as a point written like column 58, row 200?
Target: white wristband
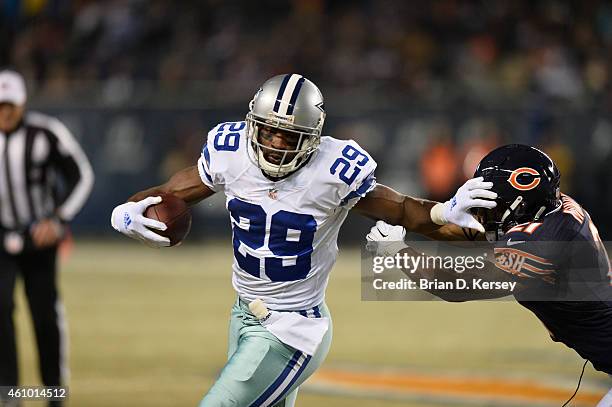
column 437, row 214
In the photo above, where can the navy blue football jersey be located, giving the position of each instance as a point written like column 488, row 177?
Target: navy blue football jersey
column 564, row 273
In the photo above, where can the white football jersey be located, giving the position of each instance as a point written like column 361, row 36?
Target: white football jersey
column 285, row 232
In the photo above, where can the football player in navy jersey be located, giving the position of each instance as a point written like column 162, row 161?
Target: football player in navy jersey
column 546, row 243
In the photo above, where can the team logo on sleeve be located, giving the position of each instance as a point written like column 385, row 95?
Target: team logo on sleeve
column 529, row 180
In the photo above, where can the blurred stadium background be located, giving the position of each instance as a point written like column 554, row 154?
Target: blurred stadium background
column 426, row 87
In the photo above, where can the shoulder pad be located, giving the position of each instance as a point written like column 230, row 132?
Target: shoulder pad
column 222, row 155
column 348, row 167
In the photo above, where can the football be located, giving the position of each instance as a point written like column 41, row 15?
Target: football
column 175, row 213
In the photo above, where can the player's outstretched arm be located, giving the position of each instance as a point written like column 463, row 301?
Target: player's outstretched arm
column 185, row 184
column 489, row 273
column 441, row 221
column 388, row 241
column 129, row 219
column 384, row 203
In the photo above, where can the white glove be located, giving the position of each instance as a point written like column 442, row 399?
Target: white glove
column 473, row 194
column 385, row 239
column 128, row 219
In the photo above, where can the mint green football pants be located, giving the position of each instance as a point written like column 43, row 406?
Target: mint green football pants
column 261, row 371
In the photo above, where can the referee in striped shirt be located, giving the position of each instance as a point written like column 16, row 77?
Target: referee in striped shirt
column 45, row 178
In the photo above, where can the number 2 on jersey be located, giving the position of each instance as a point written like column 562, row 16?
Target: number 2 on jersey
column 290, row 241
column 228, row 139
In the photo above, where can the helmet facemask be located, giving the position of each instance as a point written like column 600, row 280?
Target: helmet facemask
column 308, row 140
column 497, row 221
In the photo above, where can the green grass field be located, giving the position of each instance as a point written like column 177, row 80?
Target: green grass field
column 148, row 328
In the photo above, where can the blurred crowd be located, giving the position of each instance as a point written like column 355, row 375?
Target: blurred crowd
column 442, row 50
column 427, row 86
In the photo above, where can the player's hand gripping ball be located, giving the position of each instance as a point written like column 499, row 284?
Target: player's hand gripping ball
column 175, row 214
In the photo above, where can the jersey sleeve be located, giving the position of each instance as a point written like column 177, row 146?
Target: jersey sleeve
column 222, row 143
column 356, row 170
column 75, row 168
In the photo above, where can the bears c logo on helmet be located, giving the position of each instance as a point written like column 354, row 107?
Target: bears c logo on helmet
column 514, row 181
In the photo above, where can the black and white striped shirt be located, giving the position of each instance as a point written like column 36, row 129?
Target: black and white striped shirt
column 43, row 173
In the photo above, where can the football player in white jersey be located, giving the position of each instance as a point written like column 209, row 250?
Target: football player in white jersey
column 288, row 191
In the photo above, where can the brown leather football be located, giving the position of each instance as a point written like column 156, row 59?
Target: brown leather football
column 175, row 213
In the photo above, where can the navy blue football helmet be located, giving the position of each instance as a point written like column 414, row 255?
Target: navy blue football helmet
column 526, row 181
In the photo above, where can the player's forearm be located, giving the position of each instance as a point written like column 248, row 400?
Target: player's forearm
column 489, row 273
column 384, row 203
column 139, row 196
column 457, row 295
column 416, row 215
column 459, row 236
column 185, row 184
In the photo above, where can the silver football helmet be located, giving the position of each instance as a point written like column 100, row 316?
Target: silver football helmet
column 293, row 104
